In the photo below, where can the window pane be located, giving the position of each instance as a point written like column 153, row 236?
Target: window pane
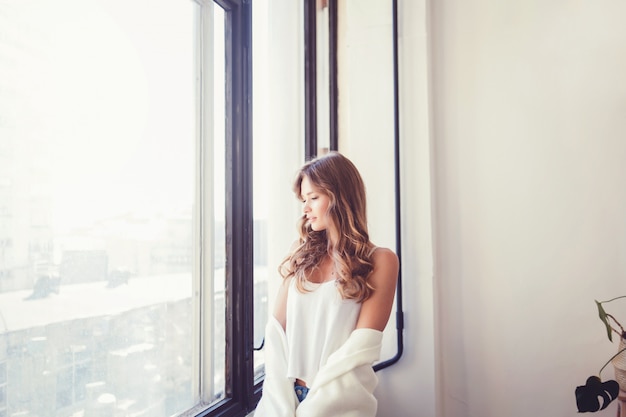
column 97, row 155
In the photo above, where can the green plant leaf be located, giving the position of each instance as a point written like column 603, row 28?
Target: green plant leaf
column 605, row 320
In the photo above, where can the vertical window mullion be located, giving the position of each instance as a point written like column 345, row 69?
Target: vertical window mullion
column 239, row 230
column 310, row 79
column 204, row 221
column 247, row 278
column 333, row 68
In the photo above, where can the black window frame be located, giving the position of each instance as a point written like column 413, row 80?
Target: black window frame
column 242, row 393
column 310, row 77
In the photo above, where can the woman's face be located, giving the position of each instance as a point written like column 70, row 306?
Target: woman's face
column 315, row 205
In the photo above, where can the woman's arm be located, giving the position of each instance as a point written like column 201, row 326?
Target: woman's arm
column 375, row 310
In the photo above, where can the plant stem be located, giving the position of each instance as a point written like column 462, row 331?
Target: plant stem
column 618, row 323
column 609, row 361
column 613, row 299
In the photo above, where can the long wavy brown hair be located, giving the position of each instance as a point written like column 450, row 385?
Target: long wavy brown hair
column 337, row 177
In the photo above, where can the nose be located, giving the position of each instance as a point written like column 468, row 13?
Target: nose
column 306, row 208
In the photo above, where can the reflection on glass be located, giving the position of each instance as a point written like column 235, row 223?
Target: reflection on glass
column 219, row 187
column 96, row 192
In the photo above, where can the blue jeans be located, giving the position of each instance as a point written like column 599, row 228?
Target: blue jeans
column 301, row 392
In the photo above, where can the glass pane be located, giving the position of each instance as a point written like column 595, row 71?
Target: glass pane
column 97, row 155
column 219, row 186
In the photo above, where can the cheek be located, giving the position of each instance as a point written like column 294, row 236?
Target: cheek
column 324, row 208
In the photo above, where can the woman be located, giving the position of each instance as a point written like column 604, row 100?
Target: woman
column 334, row 302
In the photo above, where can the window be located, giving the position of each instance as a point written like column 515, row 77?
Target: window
column 138, row 220
column 261, row 100
column 231, row 207
column 98, row 190
column 321, row 76
column 142, row 207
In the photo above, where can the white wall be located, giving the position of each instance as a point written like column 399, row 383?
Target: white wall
column 366, row 135
column 366, row 131
column 529, row 115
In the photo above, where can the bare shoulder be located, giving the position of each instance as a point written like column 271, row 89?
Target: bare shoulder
column 385, row 256
column 375, row 310
column 386, row 267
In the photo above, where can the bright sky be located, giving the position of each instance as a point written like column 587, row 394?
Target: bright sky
column 99, row 95
column 105, row 93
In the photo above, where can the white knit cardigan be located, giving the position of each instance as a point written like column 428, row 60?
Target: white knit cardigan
column 343, row 387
